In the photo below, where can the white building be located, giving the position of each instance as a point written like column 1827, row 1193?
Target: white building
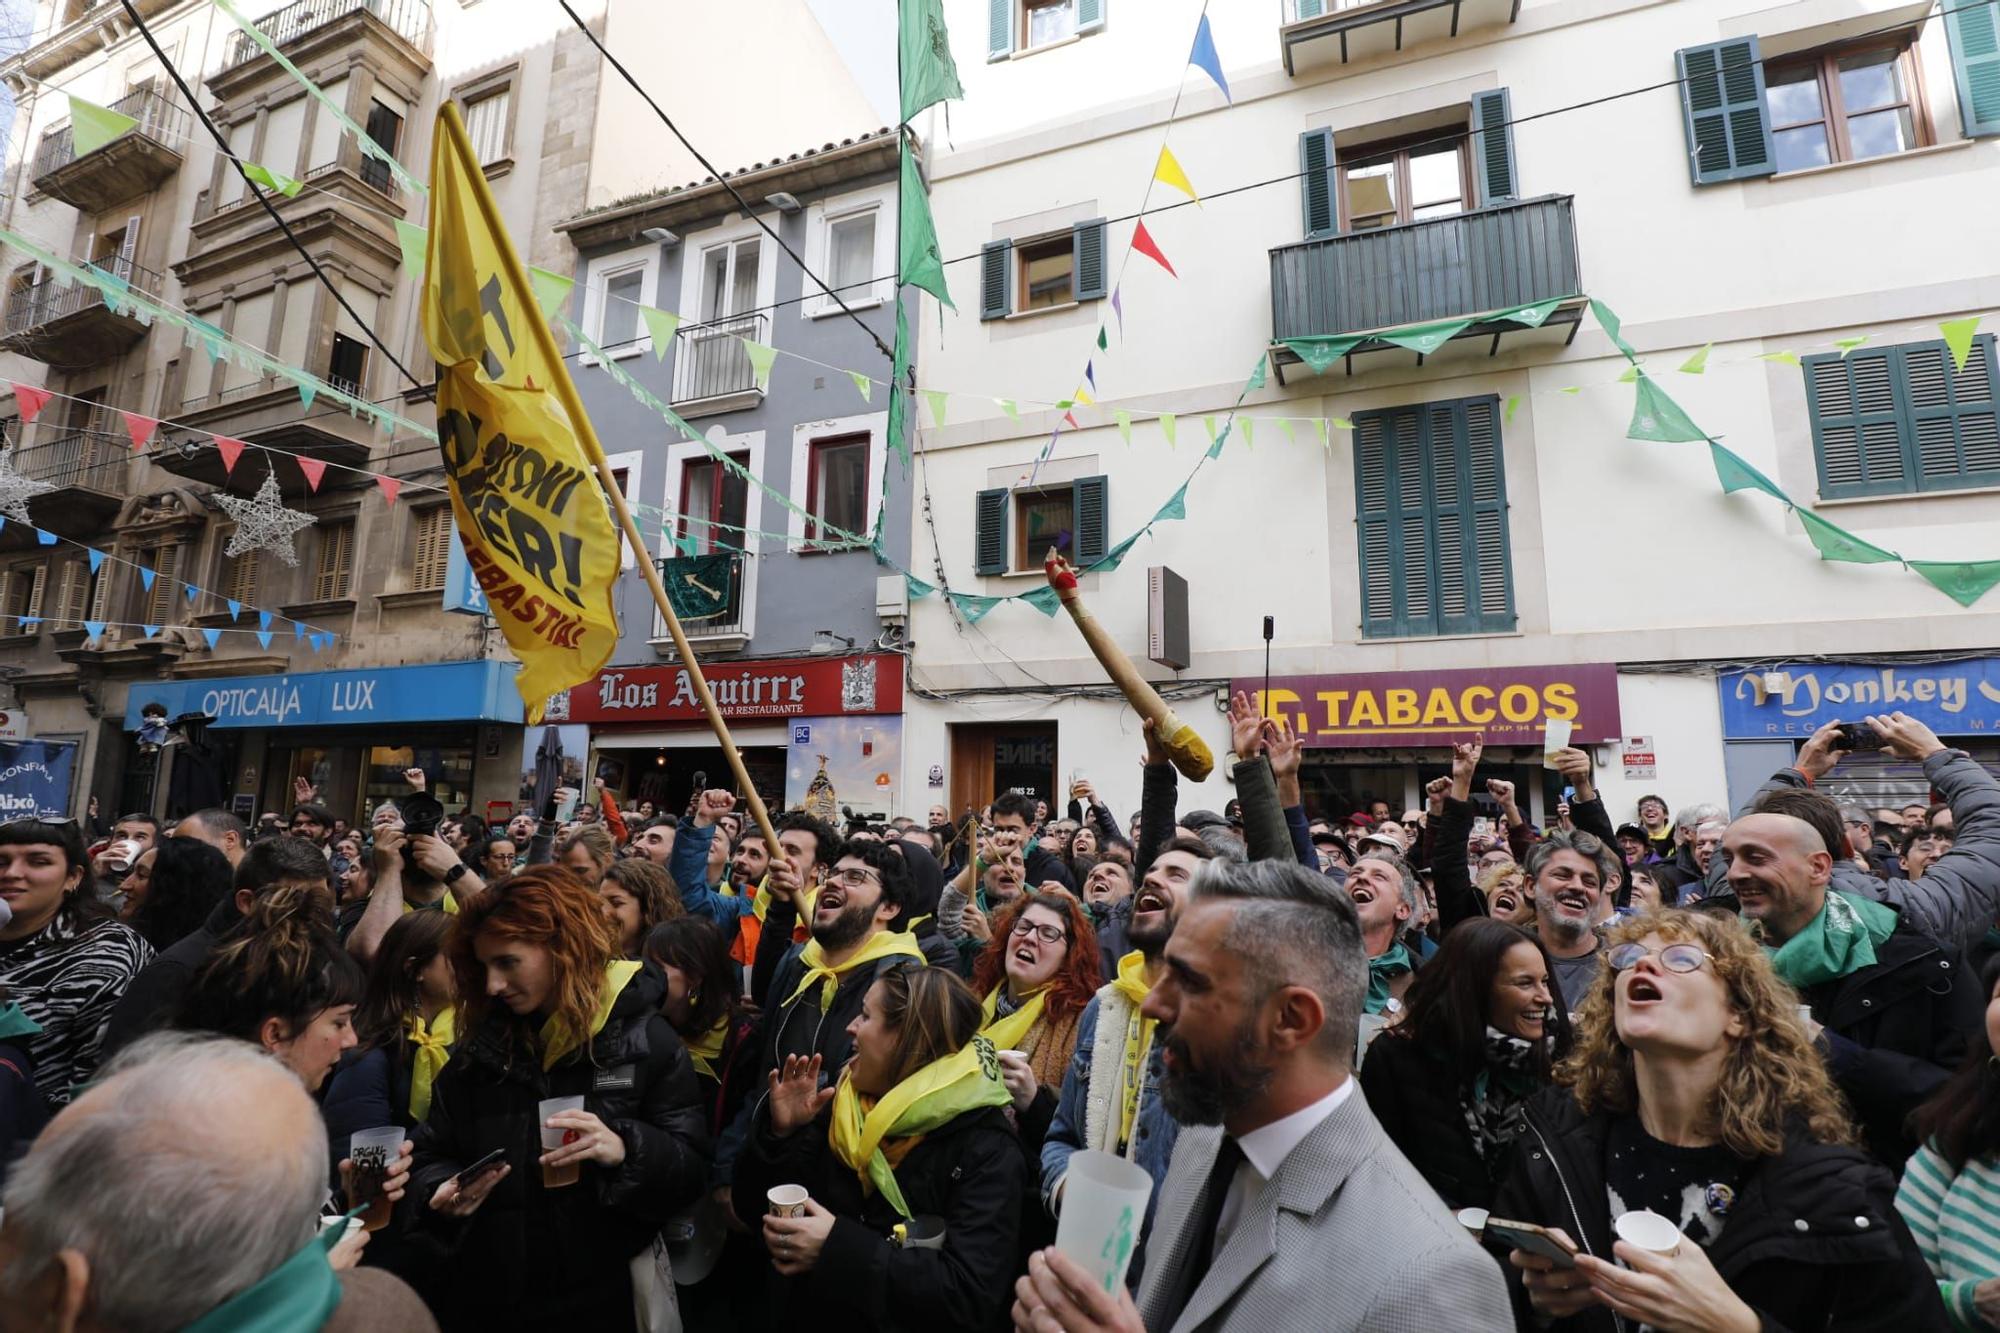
column 1819, row 180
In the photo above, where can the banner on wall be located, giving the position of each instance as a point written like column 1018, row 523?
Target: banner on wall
column 861, row 757
column 1506, row 705
column 776, row 687
column 1798, row 698
column 35, row 778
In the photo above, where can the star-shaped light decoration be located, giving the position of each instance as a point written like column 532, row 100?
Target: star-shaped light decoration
column 263, row 523
column 16, row 490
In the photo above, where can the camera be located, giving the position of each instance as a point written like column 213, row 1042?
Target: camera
column 1857, row 736
column 421, row 814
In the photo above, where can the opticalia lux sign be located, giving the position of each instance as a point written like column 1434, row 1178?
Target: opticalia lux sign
column 1797, row 698
column 1506, row 705
column 776, row 687
column 439, row 692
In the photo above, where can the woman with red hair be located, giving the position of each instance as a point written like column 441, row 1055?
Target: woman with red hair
column 547, row 1010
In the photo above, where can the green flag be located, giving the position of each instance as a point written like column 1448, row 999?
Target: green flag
column 1697, row 363
column 1102, row 344
column 1167, row 427
column 1257, row 376
column 412, row 240
column 1658, row 417
column 1176, row 505
column 699, row 587
column 1342, row 423
column 277, row 181
column 1629, row 375
column 1285, row 425
column 1320, row 354
column 1319, row 425
column 918, row 588
column 1737, row 475
column 1839, row 544
column 899, row 398
column 973, row 606
column 1958, row 335
column 937, row 398
column 920, row 264
column 1507, row 413
column 1783, row 358
column 1532, row 315
column 1611, row 324
column 1010, row 407
column 1124, row 420
column 1117, row 554
column 1425, row 338
column 93, row 126
column 661, row 326
column 761, row 356
column 923, row 51
column 1249, row 425
column 1964, row 581
column 551, row 290
column 864, row 385
column 1847, row 345
column 1043, row 599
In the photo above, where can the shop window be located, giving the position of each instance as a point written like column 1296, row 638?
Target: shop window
column 432, row 553
column 333, row 568
column 837, row 489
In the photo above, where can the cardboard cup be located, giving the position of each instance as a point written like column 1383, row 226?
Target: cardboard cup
column 1473, row 1220
column 1648, row 1231
column 786, row 1200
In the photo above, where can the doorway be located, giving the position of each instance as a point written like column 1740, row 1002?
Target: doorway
column 988, row 759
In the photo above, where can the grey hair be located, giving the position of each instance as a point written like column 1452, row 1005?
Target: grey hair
column 1610, row 867
column 1692, row 816
column 1413, row 893
column 1223, row 842
column 1859, row 814
column 1294, row 928
column 148, row 1178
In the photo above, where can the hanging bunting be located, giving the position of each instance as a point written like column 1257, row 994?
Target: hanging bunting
column 1175, row 507
column 1167, row 428
column 551, row 291
column 973, row 606
column 1611, row 325
column 298, row 631
column 412, row 240
column 1118, row 309
column 1204, row 57
column 193, row 593
column 1090, row 372
column 1783, row 358
column 263, row 523
column 264, row 620
column 1103, row 343
column 15, row 489
column 1083, row 399
column 1958, row 335
column 919, row 263
column 1630, row 375
column 917, row 587
column 923, row 56
column 140, row 428
column 391, row 488
column 96, row 558
column 1249, row 432
column 288, row 186
column 312, row 468
column 937, row 398
column 1427, row 337
column 761, row 358
column 152, row 631
column 1507, row 413
column 1124, row 420
column 146, row 576
column 1847, row 345
column 1735, row 474
column 864, row 385
column 1658, row 417
column 93, row 126
column 1964, row 581
column 1168, row 172
column 31, row 400
column 235, row 608
column 264, row 639
column 661, row 326
column 1285, row 425
column 1837, row 543
column 899, row 390
column 230, row 449
column 45, row 538
column 93, row 629
column 1697, row 363
column 1142, row 241
column 214, row 636
column 1045, row 599
column 1009, row 406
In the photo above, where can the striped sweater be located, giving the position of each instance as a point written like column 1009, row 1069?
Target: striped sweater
column 1955, row 1216
column 67, row 977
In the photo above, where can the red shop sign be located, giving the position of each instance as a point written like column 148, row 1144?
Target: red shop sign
column 777, row 687
column 1508, row 705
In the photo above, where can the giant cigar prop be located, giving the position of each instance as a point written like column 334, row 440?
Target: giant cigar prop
column 1185, row 746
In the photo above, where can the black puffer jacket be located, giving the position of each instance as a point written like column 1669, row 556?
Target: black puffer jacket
column 1812, row 1241
column 539, row 1258
column 1414, row 1092
column 970, row 1174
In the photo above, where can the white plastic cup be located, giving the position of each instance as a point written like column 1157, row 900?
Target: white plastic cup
column 372, row 1151
column 557, row 1177
column 786, row 1200
column 1647, row 1230
column 1103, row 1206
column 1474, row 1221
column 1805, row 1015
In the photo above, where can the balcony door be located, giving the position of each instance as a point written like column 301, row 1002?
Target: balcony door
column 117, row 250
column 715, row 504
column 729, row 280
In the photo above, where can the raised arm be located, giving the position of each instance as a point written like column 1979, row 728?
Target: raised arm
column 1451, row 874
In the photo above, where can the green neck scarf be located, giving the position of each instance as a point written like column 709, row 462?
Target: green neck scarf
column 1839, row 941
column 15, row 1023
column 298, row 1296
column 1393, row 963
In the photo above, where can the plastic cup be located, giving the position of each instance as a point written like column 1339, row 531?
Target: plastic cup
column 372, row 1151
column 1473, row 1220
column 332, row 1220
column 921, row 1233
column 786, row 1200
column 1805, row 1014
column 1647, row 1230
column 1370, row 1028
column 1103, row 1205
column 566, row 1173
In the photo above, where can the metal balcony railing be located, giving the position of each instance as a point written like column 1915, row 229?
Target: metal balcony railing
column 709, row 360
column 159, row 119
column 728, row 621
column 43, row 302
column 92, row 459
column 1491, row 258
column 409, row 19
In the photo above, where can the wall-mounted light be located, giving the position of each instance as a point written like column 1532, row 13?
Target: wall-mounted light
column 661, row 236
column 784, row 202
column 823, row 641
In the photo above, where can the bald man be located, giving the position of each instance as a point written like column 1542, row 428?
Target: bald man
column 173, row 1191
column 1892, row 1009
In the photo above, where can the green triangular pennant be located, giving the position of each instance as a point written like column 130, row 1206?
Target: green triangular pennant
column 1658, row 417
column 93, row 126
column 974, row 606
column 307, row 389
column 1249, row 425
column 863, row 385
column 413, row 241
column 1958, row 335
column 761, row 357
column 1964, row 581
column 1116, row 555
column 1697, row 363
column 1319, row 425
column 1507, row 413
column 1321, row 353
column 899, row 398
column 1783, row 358
column 1102, row 344
column 1533, row 315
column 918, row 588
column 1175, row 507
column 937, row 398
column 1847, row 345
column 1285, row 425
column 1259, row 375
column 551, row 290
column 1010, row 407
column 923, row 55
column 288, row 186
column 1839, row 544
column 1426, row 338
column 920, row 263
column 1737, row 475
column 661, row 326
column 1124, row 420
column 1630, row 375
column 1342, row 423
column 1610, row 324
column 1167, row 427
column 1046, row 600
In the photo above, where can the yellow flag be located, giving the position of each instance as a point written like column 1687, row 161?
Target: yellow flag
column 521, row 466
column 1169, row 173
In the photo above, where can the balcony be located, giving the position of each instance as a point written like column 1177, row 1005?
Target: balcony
column 71, row 326
column 130, row 165
column 1343, row 289
column 712, row 372
column 409, row 20
column 81, row 28
column 728, row 627
column 87, row 468
column 266, row 411
column 345, row 216
column 1319, row 34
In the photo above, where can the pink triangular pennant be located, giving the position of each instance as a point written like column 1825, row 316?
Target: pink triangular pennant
column 140, row 428
column 1142, row 241
column 1069, row 419
column 314, row 470
column 31, row 399
column 390, row 487
column 231, row 450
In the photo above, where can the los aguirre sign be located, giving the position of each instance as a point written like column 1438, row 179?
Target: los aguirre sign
column 1507, row 705
column 775, row 687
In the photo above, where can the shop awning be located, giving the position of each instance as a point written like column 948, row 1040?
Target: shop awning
column 480, row 691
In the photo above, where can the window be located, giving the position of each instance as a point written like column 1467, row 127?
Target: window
column 347, row 368
column 729, row 279
column 158, row 604
column 1412, row 178
column 1073, row 517
column 1898, row 420
column 1431, row 509
column 432, row 551
column 334, row 567
column 1019, row 26
column 385, row 127
column 1844, row 104
column 1047, row 272
column 850, row 254
column 715, row 504
column 1046, row 21
column 618, row 315
column 80, row 594
column 837, row 487
column 615, row 286
column 489, row 119
column 237, row 577
column 21, row 597
column 1384, row 186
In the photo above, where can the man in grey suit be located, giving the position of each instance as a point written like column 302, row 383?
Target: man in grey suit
column 1286, row 1205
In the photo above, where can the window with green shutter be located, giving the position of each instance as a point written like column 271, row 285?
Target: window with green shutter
column 1972, row 28
column 996, row 287
column 1430, row 494
column 1087, row 259
column 1493, row 146
column 989, row 526
column 1722, row 111
column 1901, row 420
column 1317, row 184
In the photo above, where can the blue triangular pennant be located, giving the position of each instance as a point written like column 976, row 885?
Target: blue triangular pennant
column 214, row 636
column 263, row 638
column 45, row 538
column 1205, row 58
column 151, row 630
column 264, row 622
column 192, row 592
column 93, row 629
column 146, row 576
column 96, row 559
column 235, row 607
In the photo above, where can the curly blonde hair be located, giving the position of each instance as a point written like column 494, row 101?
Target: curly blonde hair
column 1772, row 1074
column 1490, row 880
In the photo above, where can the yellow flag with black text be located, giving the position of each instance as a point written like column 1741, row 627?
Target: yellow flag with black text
column 536, row 527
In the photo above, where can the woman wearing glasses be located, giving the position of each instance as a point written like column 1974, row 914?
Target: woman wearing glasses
column 1693, row 1092
column 61, row 955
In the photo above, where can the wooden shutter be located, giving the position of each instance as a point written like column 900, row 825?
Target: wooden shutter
column 239, row 577
column 1490, row 598
column 996, row 271
column 1087, row 280
column 433, row 548
column 333, row 571
column 38, row 584
column 1317, row 183
column 128, row 250
column 1089, row 15
column 1493, row 147
column 1972, row 28
column 1722, row 111
column 1953, row 431
column 166, row 594
column 1090, row 508
column 73, row 595
column 999, row 29
column 1377, row 527
column 989, row 547
column 1856, row 429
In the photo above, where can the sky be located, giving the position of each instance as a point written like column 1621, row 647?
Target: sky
column 864, row 32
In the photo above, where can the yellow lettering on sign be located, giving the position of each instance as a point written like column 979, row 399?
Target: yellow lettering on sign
column 1560, row 701
column 1517, row 703
column 1366, row 712
column 1471, row 692
column 1332, row 698
column 1439, row 708
column 1402, row 708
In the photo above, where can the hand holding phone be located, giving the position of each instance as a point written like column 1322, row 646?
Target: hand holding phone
column 484, row 1164
column 1536, row 1240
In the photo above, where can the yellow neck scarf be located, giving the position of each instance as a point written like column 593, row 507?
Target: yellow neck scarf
column 433, row 1049
column 707, row 1048
column 1006, row 1033
column 558, row 1040
column 882, row 944
column 448, row 904
column 1131, row 983
column 760, row 902
column 929, row 1099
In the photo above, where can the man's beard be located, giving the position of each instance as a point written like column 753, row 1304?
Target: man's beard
column 1148, row 939
column 849, row 927
column 1557, row 920
column 1197, row 1096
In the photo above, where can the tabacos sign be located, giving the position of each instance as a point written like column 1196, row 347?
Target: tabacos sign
column 1507, row 705
column 1797, row 698
column 775, row 687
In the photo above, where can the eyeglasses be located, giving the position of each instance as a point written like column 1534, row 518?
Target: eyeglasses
column 853, row 875
column 1674, row 957
column 1049, row 934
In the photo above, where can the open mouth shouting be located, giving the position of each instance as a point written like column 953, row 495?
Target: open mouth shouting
column 1642, row 989
column 1361, row 893
column 831, row 899
column 1506, row 902
column 1151, row 900
column 1574, row 901
column 1027, row 955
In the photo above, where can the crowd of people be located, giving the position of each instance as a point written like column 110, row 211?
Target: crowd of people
column 1427, row 1068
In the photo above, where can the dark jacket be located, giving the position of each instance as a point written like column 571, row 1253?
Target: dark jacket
column 1812, row 1240
column 532, row 1257
column 970, row 1174
column 369, row 1088
column 1415, row 1093
column 23, row 1111
column 1159, row 790
column 1451, row 874
column 1894, row 1032
column 1044, row 865
column 155, row 995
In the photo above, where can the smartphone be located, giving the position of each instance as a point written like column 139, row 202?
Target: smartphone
column 486, row 1163
column 1531, row 1238
column 1857, row 736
